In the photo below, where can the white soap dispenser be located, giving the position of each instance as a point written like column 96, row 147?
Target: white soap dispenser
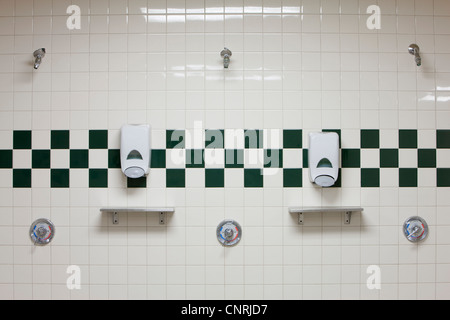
column 135, row 150
column 323, row 158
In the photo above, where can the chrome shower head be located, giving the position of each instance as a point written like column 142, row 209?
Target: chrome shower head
column 414, row 50
column 38, row 55
column 226, row 54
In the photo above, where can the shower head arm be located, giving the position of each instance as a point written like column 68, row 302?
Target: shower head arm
column 226, row 54
column 38, row 55
column 415, row 51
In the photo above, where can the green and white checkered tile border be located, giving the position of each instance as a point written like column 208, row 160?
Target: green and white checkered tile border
column 249, row 152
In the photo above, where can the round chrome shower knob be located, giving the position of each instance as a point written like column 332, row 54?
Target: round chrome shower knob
column 42, row 231
column 229, row 233
column 415, row 229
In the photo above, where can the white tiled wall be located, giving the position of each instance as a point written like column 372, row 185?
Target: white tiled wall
column 296, row 64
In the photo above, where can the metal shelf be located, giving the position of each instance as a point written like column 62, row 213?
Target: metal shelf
column 348, row 211
column 161, row 210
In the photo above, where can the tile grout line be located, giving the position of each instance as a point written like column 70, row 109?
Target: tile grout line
column 12, row 156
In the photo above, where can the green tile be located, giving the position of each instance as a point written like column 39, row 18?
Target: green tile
column 175, row 139
column 40, row 159
column 253, row 178
column 292, row 178
column 98, row 178
column 305, row 158
column 370, row 138
column 214, row 178
column 59, row 139
column 114, row 158
column 253, row 139
column 407, row 177
column 351, row 158
column 195, row 158
column 234, row 158
column 388, row 158
column 22, row 139
column 6, row 157
column 137, row 183
column 273, row 158
column 79, row 158
column 407, row 139
column 443, row 177
column 158, row 158
column 426, row 158
column 98, row 139
column 175, row 178
column 214, row 138
column 292, row 139
column 370, row 177
column 443, row 139
column 21, row 178
column 59, row 178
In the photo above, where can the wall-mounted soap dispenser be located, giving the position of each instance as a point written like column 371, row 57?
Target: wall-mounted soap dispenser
column 135, row 150
column 323, row 158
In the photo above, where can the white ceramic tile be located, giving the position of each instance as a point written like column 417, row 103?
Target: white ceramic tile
column 7, row 8
column 22, row 159
column 97, row 158
column 59, row 158
column 330, row 23
column 311, row 23
column 42, row 25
